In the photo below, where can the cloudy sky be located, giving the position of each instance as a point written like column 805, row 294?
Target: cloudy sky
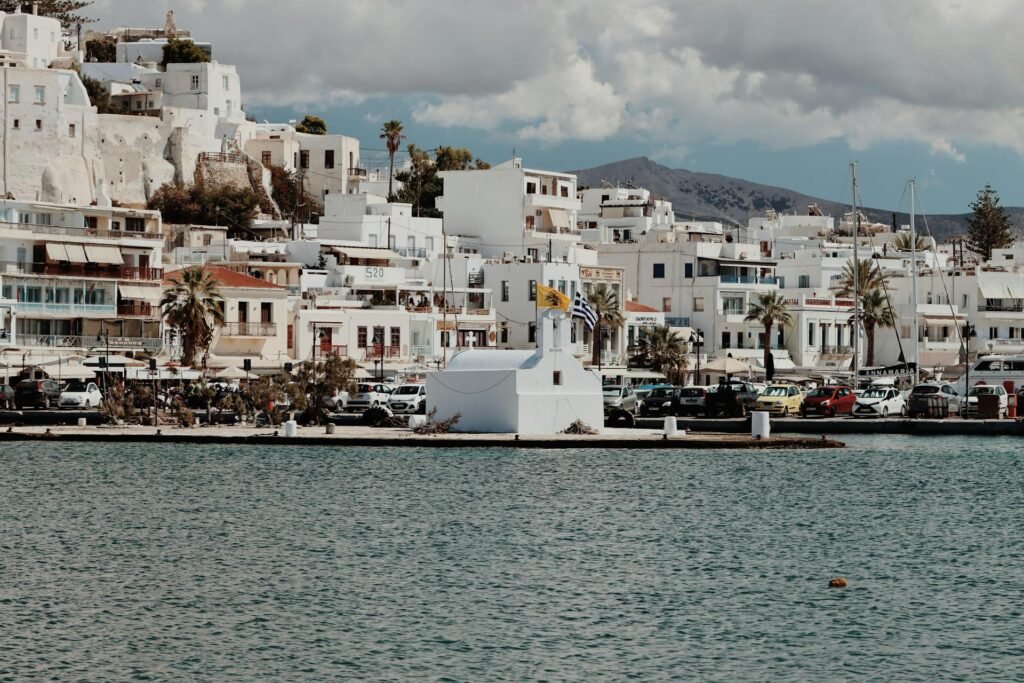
column 786, row 92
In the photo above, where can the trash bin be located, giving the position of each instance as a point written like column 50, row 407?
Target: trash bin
column 988, row 407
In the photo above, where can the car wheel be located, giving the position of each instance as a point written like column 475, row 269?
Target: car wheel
column 46, row 403
column 785, row 411
column 903, row 411
column 831, row 412
column 885, row 411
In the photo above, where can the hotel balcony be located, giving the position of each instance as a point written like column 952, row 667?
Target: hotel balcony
column 107, row 272
column 37, row 308
column 355, row 173
column 151, row 345
column 249, row 330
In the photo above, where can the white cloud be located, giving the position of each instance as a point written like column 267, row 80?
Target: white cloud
column 943, row 73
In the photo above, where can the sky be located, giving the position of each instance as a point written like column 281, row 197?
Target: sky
column 783, row 92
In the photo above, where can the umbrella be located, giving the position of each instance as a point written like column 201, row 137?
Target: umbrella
column 727, row 366
column 231, row 372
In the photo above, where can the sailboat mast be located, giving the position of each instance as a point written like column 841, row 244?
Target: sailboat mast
column 913, row 285
column 856, row 279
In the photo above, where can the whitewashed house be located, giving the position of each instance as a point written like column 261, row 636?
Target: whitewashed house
column 522, row 392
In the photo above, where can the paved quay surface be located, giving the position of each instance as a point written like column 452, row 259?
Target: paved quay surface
column 401, row 437
column 845, row 425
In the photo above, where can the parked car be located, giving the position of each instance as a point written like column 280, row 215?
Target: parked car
column 829, row 401
column 692, row 400
column 80, row 395
column 780, row 399
column 917, row 403
column 880, row 401
column 732, row 399
column 618, row 398
column 408, row 399
column 6, row 396
column 643, row 391
column 336, row 402
column 369, row 396
column 36, row 393
column 661, row 401
column 971, row 407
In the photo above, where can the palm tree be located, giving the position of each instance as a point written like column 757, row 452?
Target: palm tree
column 869, row 277
column 770, row 310
column 663, row 349
column 391, row 134
column 606, row 305
column 193, row 305
column 875, row 312
column 902, row 242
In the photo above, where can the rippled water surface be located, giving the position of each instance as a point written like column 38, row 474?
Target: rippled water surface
column 193, row 563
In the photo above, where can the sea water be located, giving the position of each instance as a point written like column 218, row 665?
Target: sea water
column 124, row 561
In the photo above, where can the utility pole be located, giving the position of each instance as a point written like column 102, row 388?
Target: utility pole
column 856, row 279
column 389, row 233
column 913, row 284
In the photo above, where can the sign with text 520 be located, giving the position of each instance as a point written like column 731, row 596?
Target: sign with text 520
column 374, row 273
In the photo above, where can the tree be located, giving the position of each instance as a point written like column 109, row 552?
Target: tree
column 869, row 277
column 421, row 185
column 902, row 242
column 289, row 192
column 605, row 303
column 204, row 204
column 391, row 134
column 664, row 352
column 989, row 227
column 178, row 51
column 875, row 312
column 770, row 309
column 315, row 381
column 194, row 305
column 99, row 96
column 314, row 125
column 101, row 50
column 65, row 11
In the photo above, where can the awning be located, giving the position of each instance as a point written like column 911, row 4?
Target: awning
column 780, row 364
column 941, row 320
column 139, row 292
column 1000, row 285
column 559, row 218
column 56, row 252
column 73, row 371
column 76, row 253
column 685, row 333
column 934, row 359
column 634, row 374
column 102, row 254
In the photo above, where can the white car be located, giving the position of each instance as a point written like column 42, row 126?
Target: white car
column 408, row 399
column 337, row 402
column 971, row 409
column 80, row 395
column 879, row 401
column 369, row 396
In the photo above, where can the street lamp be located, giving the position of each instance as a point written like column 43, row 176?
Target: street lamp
column 600, row 348
column 104, row 336
column 696, row 339
column 969, row 332
column 378, row 348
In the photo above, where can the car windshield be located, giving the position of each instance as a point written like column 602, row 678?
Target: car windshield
column 823, row 392
column 692, row 392
column 613, row 392
column 365, row 388
column 873, row 393
column 27, row 384
column 407, row 390
column 984, row 391
column 776, row 391
column 661, row 393
column 923, row 389
column 76, row 388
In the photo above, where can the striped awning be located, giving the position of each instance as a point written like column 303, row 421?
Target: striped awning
column 56, row 252
column 139, row 292
column 103, row 254
column 76, row 253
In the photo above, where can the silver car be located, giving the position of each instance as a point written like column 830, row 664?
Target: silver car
column 618, row 398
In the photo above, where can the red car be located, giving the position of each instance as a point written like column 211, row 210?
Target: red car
column 828, row 401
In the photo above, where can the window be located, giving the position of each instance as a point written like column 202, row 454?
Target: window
column 698, row 304
column 396, row 336
column 533, row 291
column 39, row 124
column 532, row 334
column 17, row 124
column 810, row 334
column 993, row 333
column 688, row 270
column 266, row 312
column 556, row 378
column 226, row 83
column 243, row 311
column 71, row 130
column 267, row 158
column 373, row 241
column 533, row 255
column 44, row 219
column 135, row 224
column 228, row 107
column 966, row 298
column 531, row 188
column 565, row 191
column 195, row 82
column 328, row 158
column 726, row 339
column 410, row 242
column 504, row 290
column 304, row 158
column 804, row 282
column 666, row 304
column 13, row 93
column 732, row 305
column 503, row 333
column 361, row 337
column 782, row 282
column 393, row 242
column 659, row 271
column 159, row 83
column 430, row 244
column 40, row 96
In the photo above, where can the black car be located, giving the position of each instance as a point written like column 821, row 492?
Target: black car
column 37, row 393
column 731, row 399
column 661, row 401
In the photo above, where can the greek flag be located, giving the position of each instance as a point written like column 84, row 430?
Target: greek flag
column 582, row 309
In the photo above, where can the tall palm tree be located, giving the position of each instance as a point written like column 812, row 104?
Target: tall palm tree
column 606, row 305
column 875, row 312
column 664, row 351
column 902, row 242
column 391, row 134
column 769, row 310
column 193, row 304
column 869, row 277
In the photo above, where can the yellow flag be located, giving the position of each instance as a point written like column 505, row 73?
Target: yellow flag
column 549, row 297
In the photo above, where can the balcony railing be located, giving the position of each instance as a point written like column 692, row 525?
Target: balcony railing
column 83, row 270
column 354, row 172
column 136, row 308
column 249, row 330
column 377, row 351
column 80, row 232
column 51, row 308
column 326, row 348
column 748, row 280
column 412, row 252
column 421, row 350
column 147, row 344
column 1007, row 307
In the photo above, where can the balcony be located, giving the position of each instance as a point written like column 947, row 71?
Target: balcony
column 421, row 350
column 378, row 351
column 357, row 173
column 475, row 279
column 151, row 345
column 748, row 280
column 136, row 309
column 32, row 308
column 249, row 330
column 411, row 252
column 1008, row 306
column 83, row 270
column 80, row 232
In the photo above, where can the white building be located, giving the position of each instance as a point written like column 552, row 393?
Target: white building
column 329, row 163
column 622, row 214
column 523, row 392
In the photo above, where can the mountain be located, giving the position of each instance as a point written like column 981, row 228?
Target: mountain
column 709, row 196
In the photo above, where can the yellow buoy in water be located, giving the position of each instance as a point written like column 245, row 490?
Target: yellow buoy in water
column 838, row 582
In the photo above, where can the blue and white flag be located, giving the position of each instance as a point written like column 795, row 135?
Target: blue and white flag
column 581, row 308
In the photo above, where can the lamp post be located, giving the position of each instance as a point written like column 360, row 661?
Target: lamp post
column 969, row 332
column 378, row 350
column 104, row 336
column 696, row 339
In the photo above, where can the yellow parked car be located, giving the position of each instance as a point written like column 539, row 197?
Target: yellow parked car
column 780, row 399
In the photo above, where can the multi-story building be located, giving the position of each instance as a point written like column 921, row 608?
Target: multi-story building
column 622, row 214
column 329, row 164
